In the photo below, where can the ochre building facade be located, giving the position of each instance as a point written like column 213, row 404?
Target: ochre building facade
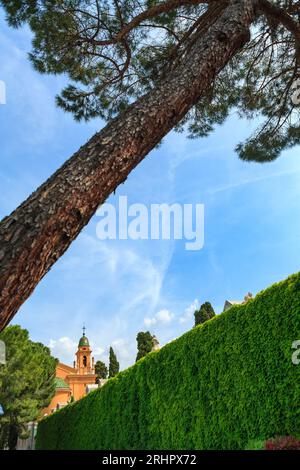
column 73, row 383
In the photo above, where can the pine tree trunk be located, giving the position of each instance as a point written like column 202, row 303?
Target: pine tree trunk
column 39, row 231
column 12, row 437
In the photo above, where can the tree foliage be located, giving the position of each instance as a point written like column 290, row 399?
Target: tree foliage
column 27, row 383
column 205, row 312
column 144, row 344
column 100, row 370
column 114, row 365
column 114, row 51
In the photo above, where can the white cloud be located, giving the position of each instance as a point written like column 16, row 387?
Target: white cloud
column 123, row 349
column 149, row 322
column 189, row 312
column 161, row 318
column 164, row 316
column 97, row 351
column 63, row 348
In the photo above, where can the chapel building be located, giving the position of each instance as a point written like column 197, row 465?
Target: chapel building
column 73, row 383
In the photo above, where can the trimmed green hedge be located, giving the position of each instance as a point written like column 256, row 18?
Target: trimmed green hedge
column 216, row 387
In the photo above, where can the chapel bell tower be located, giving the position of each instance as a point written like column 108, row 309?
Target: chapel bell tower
column 85, row 362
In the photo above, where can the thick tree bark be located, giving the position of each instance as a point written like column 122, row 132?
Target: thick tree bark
column 39, row 231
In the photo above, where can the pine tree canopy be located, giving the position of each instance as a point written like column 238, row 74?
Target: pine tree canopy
column 113, row 51
column 144, row 344
column 100, row 370
column 205, row 312
column 27, row 382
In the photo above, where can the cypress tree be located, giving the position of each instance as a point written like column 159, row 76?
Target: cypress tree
column 114, row 365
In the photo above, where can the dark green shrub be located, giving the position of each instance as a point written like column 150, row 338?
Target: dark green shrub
column 216, row 387
column 205, row 312
column 144, row 344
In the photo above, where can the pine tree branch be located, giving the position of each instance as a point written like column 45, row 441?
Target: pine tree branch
column 151, row 12
column 282, row 17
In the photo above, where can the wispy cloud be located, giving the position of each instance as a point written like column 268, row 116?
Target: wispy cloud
column 110, row 287
column 189, row 312
column 134, row 277
column 252, row 180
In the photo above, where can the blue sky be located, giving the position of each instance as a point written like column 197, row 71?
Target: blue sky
column 117, row 288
